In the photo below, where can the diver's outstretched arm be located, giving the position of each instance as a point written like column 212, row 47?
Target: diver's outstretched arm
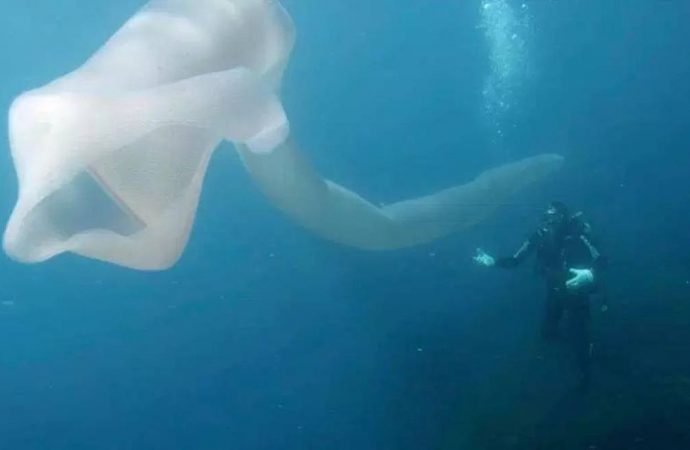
column 288, row 179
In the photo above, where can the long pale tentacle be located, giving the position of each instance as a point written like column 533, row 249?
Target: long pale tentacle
column 334, row 212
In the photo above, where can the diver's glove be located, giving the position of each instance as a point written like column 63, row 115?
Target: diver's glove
column 484, row 259
column 582, row 278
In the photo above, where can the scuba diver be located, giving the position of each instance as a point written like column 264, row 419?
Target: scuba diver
column 571, row 265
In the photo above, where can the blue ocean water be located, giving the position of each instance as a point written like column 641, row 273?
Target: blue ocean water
column 266, row 337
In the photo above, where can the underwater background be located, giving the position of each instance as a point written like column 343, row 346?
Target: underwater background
column 266, row 337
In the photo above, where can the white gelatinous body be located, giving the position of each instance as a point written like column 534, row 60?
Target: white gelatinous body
column 111, row 157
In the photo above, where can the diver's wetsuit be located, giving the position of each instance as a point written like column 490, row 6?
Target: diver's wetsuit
column 556, row 253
